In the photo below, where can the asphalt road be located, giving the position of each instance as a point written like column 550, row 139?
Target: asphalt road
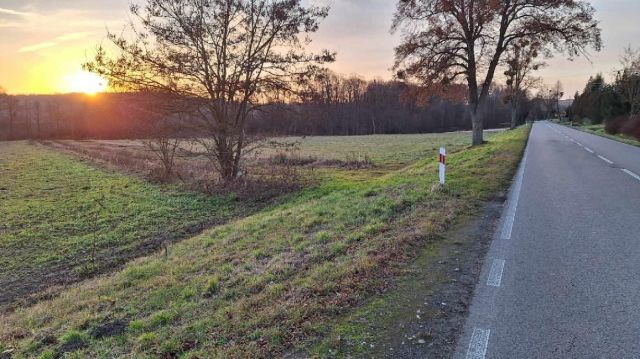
column 562, row 276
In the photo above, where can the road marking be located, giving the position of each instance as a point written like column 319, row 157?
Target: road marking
column 631, row 174
column 478, row 345
column 579, row 144
column 507, row 228
column 495, row 274
column 589, row 150
column 605, row 159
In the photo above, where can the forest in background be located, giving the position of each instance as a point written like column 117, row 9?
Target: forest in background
column 615, row 104
column 330, row 105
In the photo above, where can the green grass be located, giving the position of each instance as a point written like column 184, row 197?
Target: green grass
column 381, row 149
column 64, row 219
column 599, row 130
column 271, row 282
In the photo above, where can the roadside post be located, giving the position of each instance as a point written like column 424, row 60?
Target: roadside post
column 443, row 164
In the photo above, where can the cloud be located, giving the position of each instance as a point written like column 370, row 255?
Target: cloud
column 62, row 38
column 12, row 18
column 74, row 36
column 14, row 12
column 36, row 47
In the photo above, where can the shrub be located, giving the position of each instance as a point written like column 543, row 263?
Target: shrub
column 631, row 127
column 613, row 125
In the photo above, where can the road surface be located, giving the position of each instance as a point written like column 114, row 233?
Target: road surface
column 562, row 276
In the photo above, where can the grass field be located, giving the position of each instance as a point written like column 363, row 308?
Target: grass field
column 392, row 150
column 272, row 282
column 329, row 155
column 63, row 220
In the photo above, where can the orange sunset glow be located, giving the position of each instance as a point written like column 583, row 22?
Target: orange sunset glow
column 45, row 43
column 85, row 82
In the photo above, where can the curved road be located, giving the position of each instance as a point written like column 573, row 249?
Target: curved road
column 562, row 276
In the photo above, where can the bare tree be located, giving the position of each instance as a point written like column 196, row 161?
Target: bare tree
column 556, row 95
column 4, row 101
column 628, row 79
column 218, row 59
column 549, row 98
column 55, row 117
column 522, row 60
column 37, row 110
column 444, row 40
column 162, row 139
column 12, row 108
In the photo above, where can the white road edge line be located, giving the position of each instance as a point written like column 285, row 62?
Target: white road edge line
column 478, row 344
column 589, row 150
column 495, row 274
column 605, row 159
column 631, row 174
column 507, row 227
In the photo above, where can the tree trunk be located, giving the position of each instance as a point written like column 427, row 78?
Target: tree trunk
column 11, row 119
column 514, row 115
column 373, row 123
column 38, row 120
column 476, row 127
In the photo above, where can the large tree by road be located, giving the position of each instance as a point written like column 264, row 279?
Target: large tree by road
column 445, row 40
column 521, row 62
column 219, row 59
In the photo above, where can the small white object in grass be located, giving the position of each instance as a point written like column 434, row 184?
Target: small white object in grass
column 443, row 164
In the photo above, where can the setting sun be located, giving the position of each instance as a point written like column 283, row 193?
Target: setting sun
column 85, row 82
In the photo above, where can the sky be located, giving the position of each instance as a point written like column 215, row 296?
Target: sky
column 43, row 43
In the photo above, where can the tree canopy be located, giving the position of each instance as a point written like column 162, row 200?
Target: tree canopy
column 447, row 40
column 217, row 59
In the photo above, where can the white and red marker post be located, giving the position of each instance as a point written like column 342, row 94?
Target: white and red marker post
column 443, row 164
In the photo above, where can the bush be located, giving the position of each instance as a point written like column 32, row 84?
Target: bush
column 631, row 127
column 612, row 126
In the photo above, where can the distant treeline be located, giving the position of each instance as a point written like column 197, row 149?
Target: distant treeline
column 331, row 105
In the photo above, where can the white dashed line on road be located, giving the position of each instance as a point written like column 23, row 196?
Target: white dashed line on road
column 605, row 159
column 478, row 345
column 631, row 174
column 513, row 203
column 495, row 274
column 589, row 150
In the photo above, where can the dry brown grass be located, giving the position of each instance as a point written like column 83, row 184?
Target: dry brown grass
column 262, row 178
